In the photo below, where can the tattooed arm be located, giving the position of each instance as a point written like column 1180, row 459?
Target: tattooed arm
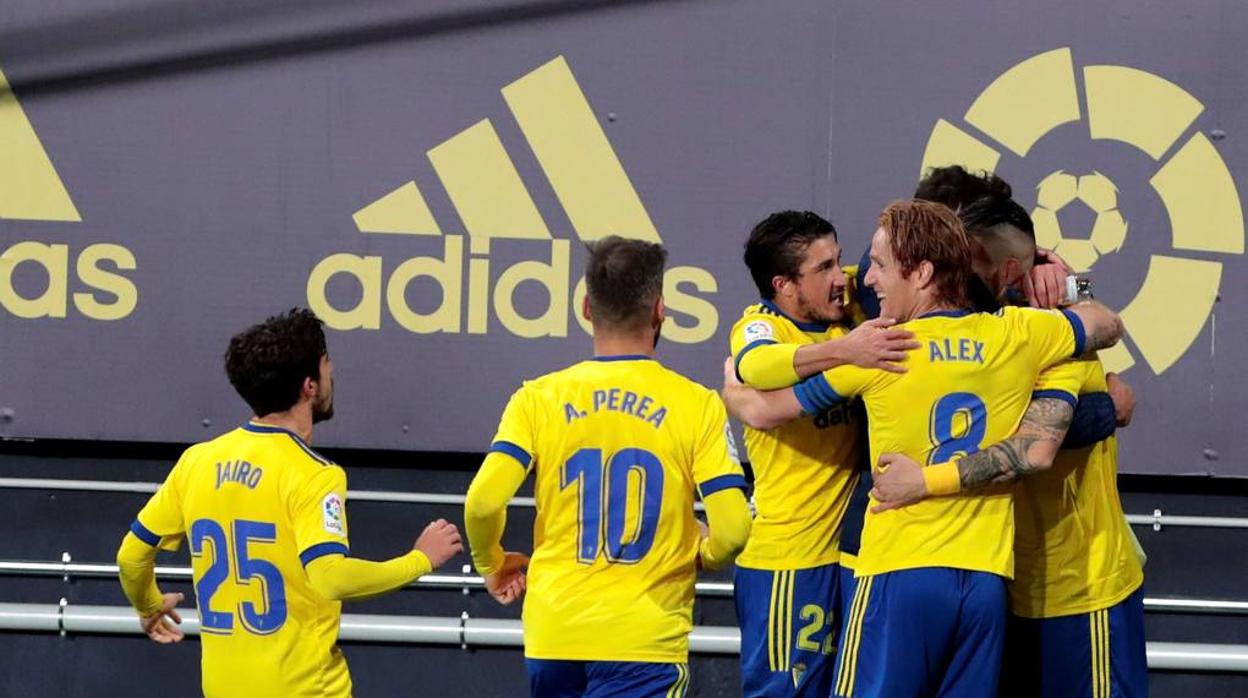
column 900, row 481
column 1032, row 448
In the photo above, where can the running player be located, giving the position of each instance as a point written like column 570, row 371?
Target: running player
column 266, row 520
column 619, row 445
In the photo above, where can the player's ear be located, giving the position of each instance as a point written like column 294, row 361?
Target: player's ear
column 780, row 284
column 308, row 389
column 926, row 271
column 660, row 312
column 585, row 308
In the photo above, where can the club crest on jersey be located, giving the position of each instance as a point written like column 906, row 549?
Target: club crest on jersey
column 799, row 668
column 331, row 508
column 758, row 330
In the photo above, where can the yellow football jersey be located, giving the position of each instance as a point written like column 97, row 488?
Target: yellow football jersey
column 1074, row 548
column 619, row 444
column 804, row 471
column 255, row 505
column 967, row 386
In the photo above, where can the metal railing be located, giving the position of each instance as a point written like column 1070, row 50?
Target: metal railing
column 68, row 569
column 1157, row 519
column 66, row 618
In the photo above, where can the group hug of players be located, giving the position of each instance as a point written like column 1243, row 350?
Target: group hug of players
column 991, row 556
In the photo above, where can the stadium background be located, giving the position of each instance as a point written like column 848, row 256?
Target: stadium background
column 232, row 160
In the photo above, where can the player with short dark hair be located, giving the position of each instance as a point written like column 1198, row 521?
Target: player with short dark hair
column 619, row 446
column 265, row 517
column 787, row 581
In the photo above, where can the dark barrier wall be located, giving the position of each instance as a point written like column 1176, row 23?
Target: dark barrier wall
column 1183, row 562
column 422, row 174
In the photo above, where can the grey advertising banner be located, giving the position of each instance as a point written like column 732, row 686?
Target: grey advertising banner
column 425, row 178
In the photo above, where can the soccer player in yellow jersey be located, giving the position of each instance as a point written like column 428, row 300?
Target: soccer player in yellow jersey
column 788, row 579
column 929, row 613
column 265, row 517
column 619, row 445
column 1076, row 626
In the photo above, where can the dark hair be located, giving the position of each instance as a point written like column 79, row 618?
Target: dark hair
column 957, row 188
column 624, row 277
column 920, row 231
column 777, row 246
column 986, row 215
column 267, row 363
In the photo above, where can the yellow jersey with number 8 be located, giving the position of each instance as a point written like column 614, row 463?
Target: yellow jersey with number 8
column 966, row 387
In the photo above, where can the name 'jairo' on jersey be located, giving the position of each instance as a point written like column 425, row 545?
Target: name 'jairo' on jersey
column 619, row 445
column 967, row 386
column 256, row 505
column 804, row 471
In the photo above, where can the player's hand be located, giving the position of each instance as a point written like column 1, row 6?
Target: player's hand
column 1045, row 287
column 730, row 375
column 1123, row 397
column 877, row 344
column 704, row 532
column 898, row 482
column 509, row 582
column 440, row 542
column 157, row 625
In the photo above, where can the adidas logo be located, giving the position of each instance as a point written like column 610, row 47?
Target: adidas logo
column 490, row 198
column 31, row 190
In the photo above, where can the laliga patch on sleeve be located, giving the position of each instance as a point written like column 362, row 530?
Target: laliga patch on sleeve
column 758, row 330
column 331, row 509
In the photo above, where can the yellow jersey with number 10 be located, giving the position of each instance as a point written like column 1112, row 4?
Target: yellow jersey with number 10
column 967, row 386
column 257, row 504
column 619, row 445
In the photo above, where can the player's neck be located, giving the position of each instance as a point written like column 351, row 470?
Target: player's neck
column 623, row 345
column 931, row 305
column 790, row 312
column 295, row 420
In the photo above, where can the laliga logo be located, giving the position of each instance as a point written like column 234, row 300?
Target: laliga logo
column 491, row 199
column 30, row 189
column 1140, row 109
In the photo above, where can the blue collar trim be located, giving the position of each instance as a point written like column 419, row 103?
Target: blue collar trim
column 803, row 326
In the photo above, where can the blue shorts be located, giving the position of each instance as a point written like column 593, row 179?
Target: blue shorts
column 932, row 631
column 789, row 623
column 1088, row 655
column 558, row 678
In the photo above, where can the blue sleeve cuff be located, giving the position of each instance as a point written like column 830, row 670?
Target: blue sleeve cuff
column 144, row 534
column 816, row 395
column 1081, row 335
column 746, row 349
column 1094, row 420
column 1057, row 395
column 512, row 450
column 321, row 550
column 723, row 482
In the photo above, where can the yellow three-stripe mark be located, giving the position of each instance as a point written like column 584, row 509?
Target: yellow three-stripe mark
column 853, row 637
column 1098, row 622
column 681, row 687
column 486, row 189
column 780, row 621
